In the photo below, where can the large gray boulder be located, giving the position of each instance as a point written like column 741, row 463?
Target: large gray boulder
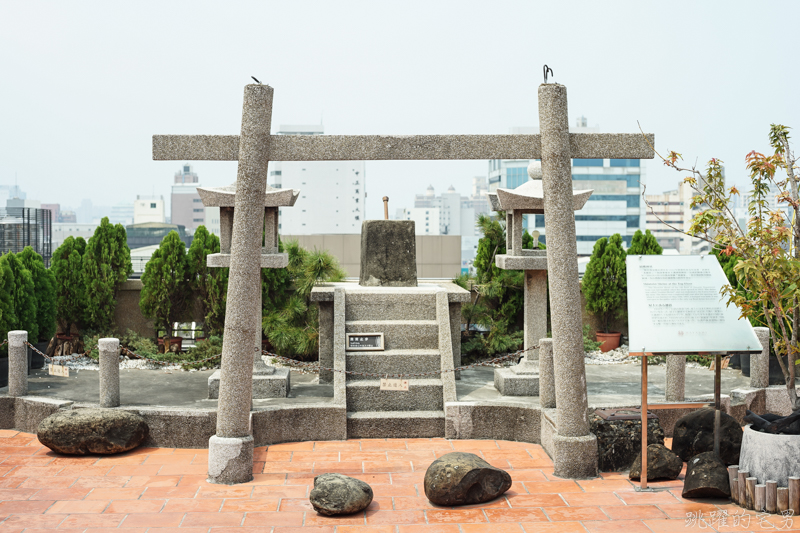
column 706, row 477
column 335, row 494
column 694, row 434
column 662, row 463
column 460, row 478
column 92, row 431
column 388, row 254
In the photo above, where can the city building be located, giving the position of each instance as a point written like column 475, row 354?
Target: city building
column 62, row 230
column 615, row 206
column 22, row 225
column 55, row 211
column 186, row 208
column 332, row 193
column 671, row 208
column 121, row 213
column 148, row 209
column 151, row 233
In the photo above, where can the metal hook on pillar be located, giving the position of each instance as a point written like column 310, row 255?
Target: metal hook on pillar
column 547, row 69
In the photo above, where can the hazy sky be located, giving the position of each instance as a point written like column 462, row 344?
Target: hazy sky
column 85, row 84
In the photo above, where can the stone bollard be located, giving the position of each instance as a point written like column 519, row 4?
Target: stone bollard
column 109, row 372
column 17, row 363
column 759, row 364
column 547, row 382
column 676, row 378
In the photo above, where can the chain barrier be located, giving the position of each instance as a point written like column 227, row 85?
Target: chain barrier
column 305, row 367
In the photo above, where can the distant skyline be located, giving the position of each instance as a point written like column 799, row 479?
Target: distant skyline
column 87, row 83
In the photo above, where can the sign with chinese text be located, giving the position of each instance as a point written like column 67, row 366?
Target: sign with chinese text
column 61, row 371
column 675, row 306
column 394, row 384
column 364, row 341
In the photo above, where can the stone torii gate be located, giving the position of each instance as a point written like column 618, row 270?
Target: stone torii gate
column 571, row 445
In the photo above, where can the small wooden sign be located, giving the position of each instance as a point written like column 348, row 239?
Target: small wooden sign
column 394, row 384
column 59, row 370
column 364, row 342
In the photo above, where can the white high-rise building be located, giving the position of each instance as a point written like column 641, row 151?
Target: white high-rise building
column 148, row 209
column 332, row 193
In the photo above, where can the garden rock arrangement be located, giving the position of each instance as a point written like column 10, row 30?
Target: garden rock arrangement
column 694, row 434
column 617, row 356
column 93, row 431
column 335, row 494
column 619, row 441
column 460, row 478
column 662, row 463
column 706, row 477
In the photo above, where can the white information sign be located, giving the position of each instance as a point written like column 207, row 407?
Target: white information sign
column 59, row 370
column 675, row 306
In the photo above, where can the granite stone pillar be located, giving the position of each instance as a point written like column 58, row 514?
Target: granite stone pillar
column 109, row 372
column 676, row 378
column 17, row 363
column 231, row 449
column 225, row 229
column 759, row 363
column 535, row 326
column 574, row 446
column 547, row 384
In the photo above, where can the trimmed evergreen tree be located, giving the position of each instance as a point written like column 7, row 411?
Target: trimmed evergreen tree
column 70, row 291
column 23, row 298
column 644, row 244
column 165, row 284
column 7, row 316
column 106, row 265
column 604, row 282
column 210, row 284
column 44, row 293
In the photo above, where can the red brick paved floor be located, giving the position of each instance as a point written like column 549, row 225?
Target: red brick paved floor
column 161, row 490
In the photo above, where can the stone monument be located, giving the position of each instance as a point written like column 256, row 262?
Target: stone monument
column 528, row 198
column 268, row 381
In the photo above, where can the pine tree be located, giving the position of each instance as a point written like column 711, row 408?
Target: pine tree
column 23, row 298
column 210, row 284
column 644, row 244
column 165, row 284
column 106, row 265
column 44, row 289
column 70, row 291
column 604, row 283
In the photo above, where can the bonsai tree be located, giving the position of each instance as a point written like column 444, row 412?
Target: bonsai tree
column 644, row 244
column 106, row 265
column 604, row 282
column 210, row 284
column 165, row 285
column 766, row 250
column 67, row 270
column 23, row 298
column 44, row 293
column 289, row 320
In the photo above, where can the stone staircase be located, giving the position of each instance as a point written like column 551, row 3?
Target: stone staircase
column 416, row 328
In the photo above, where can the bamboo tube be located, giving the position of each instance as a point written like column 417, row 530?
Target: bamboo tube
column 743, row 475
column 761, row 498
column 733, row 477
column 750, row 493
column 783, row 499
column 772, row 496
column 794, row 495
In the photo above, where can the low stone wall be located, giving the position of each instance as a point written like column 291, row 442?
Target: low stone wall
column 128, row 315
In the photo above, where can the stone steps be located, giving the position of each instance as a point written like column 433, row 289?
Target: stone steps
column 391, row 305
column 400, row 334
column 422, row 395
column 393, row 362
column 395, row 424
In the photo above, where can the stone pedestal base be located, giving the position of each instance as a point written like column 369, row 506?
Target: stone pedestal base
column 573, row 457
column 230, row 460
column 275, row 385
column 520, row 380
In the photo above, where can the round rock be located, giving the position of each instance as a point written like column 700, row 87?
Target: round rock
column 335, row 494
column 694, row 434
column 92, row 431
column 662, row 463
column 706, row 477
column 459, row 478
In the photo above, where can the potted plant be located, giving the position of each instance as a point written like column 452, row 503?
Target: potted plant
column 767, row 266
column 165, row 288
column 604, row 286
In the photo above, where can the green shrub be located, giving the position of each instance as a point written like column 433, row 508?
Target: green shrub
column 604, row 283
column 106, row 265
column 165, row 284
column 70, row 291
column 644, row 244
column 589, row 344
column 210, row 284
column 23, row 297
column 44, row 291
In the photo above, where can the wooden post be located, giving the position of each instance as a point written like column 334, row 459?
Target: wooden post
column 735, row 490
column 717, row 387
column 733, row 477
column 742, row 488
column 794, row 495
column 783, row 499
column 761, row 497
column 750, row 492
column 386, row 208
column 643, row 476
column 772, row 496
